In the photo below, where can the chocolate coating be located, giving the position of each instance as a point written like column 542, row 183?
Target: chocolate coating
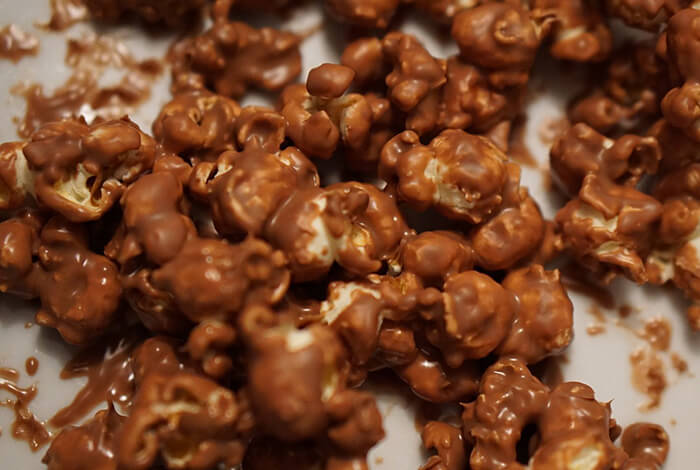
column 90, row 446
column 499, row 37
column 365, row 13
column 81, row 171
column 79, row 290
column 472, row 319
column 231, row 57
column 197, row 124
column 543, row 322
column 171, row 12
column 215, row 280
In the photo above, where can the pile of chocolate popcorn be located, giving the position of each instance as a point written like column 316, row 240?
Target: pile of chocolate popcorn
column 270, row 297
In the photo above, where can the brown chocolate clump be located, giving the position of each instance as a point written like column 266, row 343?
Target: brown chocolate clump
column 91, row 445
column 647, row 445
column 81, row 171
column 171, row 12
column 16, row 43
column 79, row 290
column 579, row 31
column 635, row 82
column 19, row 237
column 645, row 14
column 321, row 116
column 582, row 150
column 244, row 189
column 198, row 125
column 501, row 38
column 231, row 57
column 463, row 176
column 572, row 429
column 609, row 226
column 353, row 224
column 680, row 104
column 365, row 13
column 187, row 421
column 213, row 279
column 448, row 444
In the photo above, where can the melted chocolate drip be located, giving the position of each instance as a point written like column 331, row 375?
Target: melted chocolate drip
column 109, row 378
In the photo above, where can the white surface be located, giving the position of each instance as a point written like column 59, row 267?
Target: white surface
column 601, row 361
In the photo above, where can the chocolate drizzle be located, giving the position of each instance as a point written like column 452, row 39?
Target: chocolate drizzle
column 109, row 374
column 81, row 94
column 26, row 426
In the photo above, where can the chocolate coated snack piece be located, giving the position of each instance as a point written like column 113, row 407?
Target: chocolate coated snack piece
column 365, row 56
column 187, row 421
column 19, row 238
column 212, row 279
column 415, row 72
column 79, row 290
column 646, row 444
column 683, row 42
column 153, row 224
column 170, row 12
column 232, row 57
column 636, row 81
column 320, row 116
column 197, row 124
column 285, row 406
column 582, row 150
column 434, row 256
column 245, row 188
column 543, row 322
column 353, row 224
column 461, row 175
column 609, row 226
column 90, row 446
column 500, row 38
column 356, row 423
column 574, row 427
column 509, row 398
column 433, row 381
column 472, row 318
column 16, row 179
column 80, row 171
column 469, row 101
column 365, row 13
column 644, row 14
column 448, row 444
column 579, row 30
